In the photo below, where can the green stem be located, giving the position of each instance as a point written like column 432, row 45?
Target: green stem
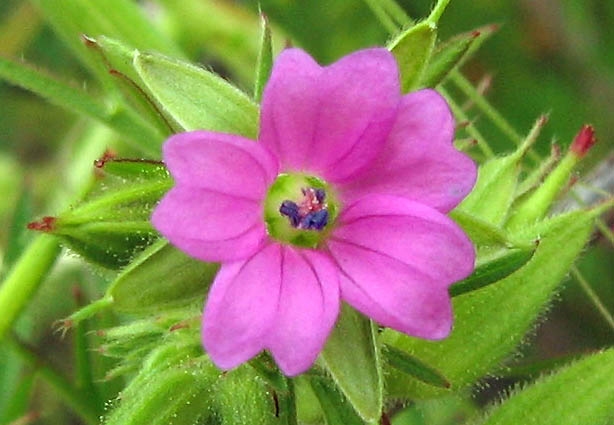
column 471, row 129
column 397, row 13
column 382, row 16
column 437, row 11
column 74, row 398
column 24, row 278
column 482, row 103
column 288, row 401
column 592, row 295
column 605, row 230
column 601, row 225
column 84, row 377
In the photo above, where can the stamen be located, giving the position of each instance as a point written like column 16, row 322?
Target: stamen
column 314, row 221
column 311, row 213
column 290, row 209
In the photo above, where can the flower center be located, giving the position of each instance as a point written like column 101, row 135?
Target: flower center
column 299, row 209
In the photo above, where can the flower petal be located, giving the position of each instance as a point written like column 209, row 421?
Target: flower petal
column 290, row 107
column 330, row 121
column 360, row 96
column 241, row 307
column 308, row 308
column 210, row 225
column 419, row 161
column 398, row 258
column 221, row 162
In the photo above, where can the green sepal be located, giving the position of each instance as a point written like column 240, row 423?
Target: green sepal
column 195, row 98
column 412, row 366
column 486, row 237
column 162, row 278
column 413, row 49
column 578, row 394
column 498, row 181
column 241, row 397
column 490, row 323
column 133, row 168
column 352, row 356
column 117, row 59
column 453, row 53
column 173, row 385
column 537, row 203
column 336, row 408
column 492, row 269
column 265, row 59
column 112, row 223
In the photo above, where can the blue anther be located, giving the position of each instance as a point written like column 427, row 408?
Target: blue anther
column 290, row 209
column 315, row 220
column 320, row 195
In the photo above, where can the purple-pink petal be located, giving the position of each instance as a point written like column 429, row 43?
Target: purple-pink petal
column 220, row 162
column 419, row 161
column 241, row 307
column 329, row 121
column 308, row 308
column 398, row 258
column 210, row 225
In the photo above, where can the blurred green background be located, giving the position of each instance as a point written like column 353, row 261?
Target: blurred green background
column 554, row 56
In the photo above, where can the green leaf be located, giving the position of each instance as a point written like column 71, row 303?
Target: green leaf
column 337, row 410
column 491, row 322
column 125, row 122
column 578, row 394
column 492, row 270
column 413, row 49
column 351, row 355
column 195, row 98
column 413, row 367
column 265, row 60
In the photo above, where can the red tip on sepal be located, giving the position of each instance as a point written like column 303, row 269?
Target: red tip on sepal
column 46, row 224
column 584, row 140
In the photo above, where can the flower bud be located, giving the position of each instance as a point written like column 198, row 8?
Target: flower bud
column 112, row 223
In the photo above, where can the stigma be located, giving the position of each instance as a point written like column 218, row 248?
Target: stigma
column 311, row 213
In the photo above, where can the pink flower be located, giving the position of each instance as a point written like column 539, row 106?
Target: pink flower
column 373, row 234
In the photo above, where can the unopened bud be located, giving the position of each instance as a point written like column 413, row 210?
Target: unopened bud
column 584, row 140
